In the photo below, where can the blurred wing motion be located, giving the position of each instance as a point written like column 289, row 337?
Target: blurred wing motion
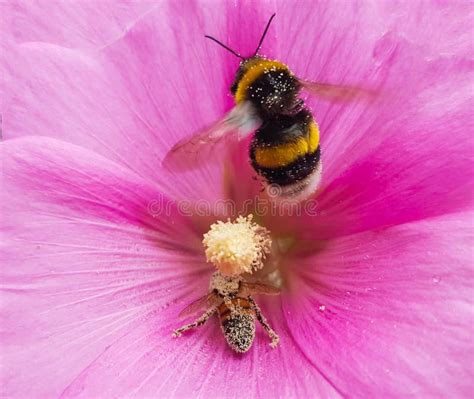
column 260, row 288
column 336, row 92
column 191, row 151
column 207, row 301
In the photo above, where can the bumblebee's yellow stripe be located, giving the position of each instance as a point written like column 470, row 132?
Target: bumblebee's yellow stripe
column 313, row 137
column 255, row 68
column 284, row 154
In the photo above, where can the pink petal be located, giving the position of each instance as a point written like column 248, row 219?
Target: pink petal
column 86, row 275
column 417, row 165
column 130, row 83
column 69, row 95
column 100, row 104
column 336, row 44
column 76, row 97
column 116, row 105
column 147, row 362
column 82, row 261
column 69, row 23
column 388, row 313
column 405, row 156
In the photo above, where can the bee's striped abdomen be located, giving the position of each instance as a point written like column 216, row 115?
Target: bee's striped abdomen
column 294, row 159
column 298, row 170
column 238, row 326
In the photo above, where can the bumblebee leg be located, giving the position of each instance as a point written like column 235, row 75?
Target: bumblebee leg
column 199, row 322
column 261, row 318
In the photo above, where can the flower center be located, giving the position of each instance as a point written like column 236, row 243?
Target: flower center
column 237, row 247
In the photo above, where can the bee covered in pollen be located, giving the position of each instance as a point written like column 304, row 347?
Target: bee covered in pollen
column 234, row 248
column 284, row 150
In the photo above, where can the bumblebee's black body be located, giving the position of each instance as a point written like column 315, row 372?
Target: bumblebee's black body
column 285, row 149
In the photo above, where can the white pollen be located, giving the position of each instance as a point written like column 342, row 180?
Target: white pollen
column 237, row 247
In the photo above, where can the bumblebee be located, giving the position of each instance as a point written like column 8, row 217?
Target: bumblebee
column 230, row 298
column 284, row 149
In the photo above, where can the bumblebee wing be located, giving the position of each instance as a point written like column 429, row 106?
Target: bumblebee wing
column 260, row 288
column 189, row 152
column 335, row 92
column 192, row 151
column 202, row 303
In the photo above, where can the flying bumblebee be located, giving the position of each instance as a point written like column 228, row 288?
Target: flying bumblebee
column 230, row 297
column 284, row 149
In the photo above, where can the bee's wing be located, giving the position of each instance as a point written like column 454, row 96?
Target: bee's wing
column 336, row 92
column 260, row 288
column 189, row 152
column 202, row 303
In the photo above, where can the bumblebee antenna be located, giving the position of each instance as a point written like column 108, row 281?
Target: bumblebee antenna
column 264, row 34
column 223, row 45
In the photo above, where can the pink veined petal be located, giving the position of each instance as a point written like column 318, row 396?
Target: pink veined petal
column 87, row 273
column 70, row 95
column 407, row 153
column 131, row 84
column 416, row 165
column 322, row 46
column 388, row 313
column 323, row 49
column 338, row 145
column 421, row 24
column 408, row 157
column 309, row 49
column 148, row 362
column 194, row 81
column 83, row 261
column 132, row 105
column 69, row 23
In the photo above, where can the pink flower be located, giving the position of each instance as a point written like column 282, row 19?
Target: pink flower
column 377, row 286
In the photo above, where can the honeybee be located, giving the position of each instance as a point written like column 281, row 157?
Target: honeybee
column 284, row 150
column 230, row 297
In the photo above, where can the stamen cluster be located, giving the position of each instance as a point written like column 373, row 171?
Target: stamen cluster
column 237, row 247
